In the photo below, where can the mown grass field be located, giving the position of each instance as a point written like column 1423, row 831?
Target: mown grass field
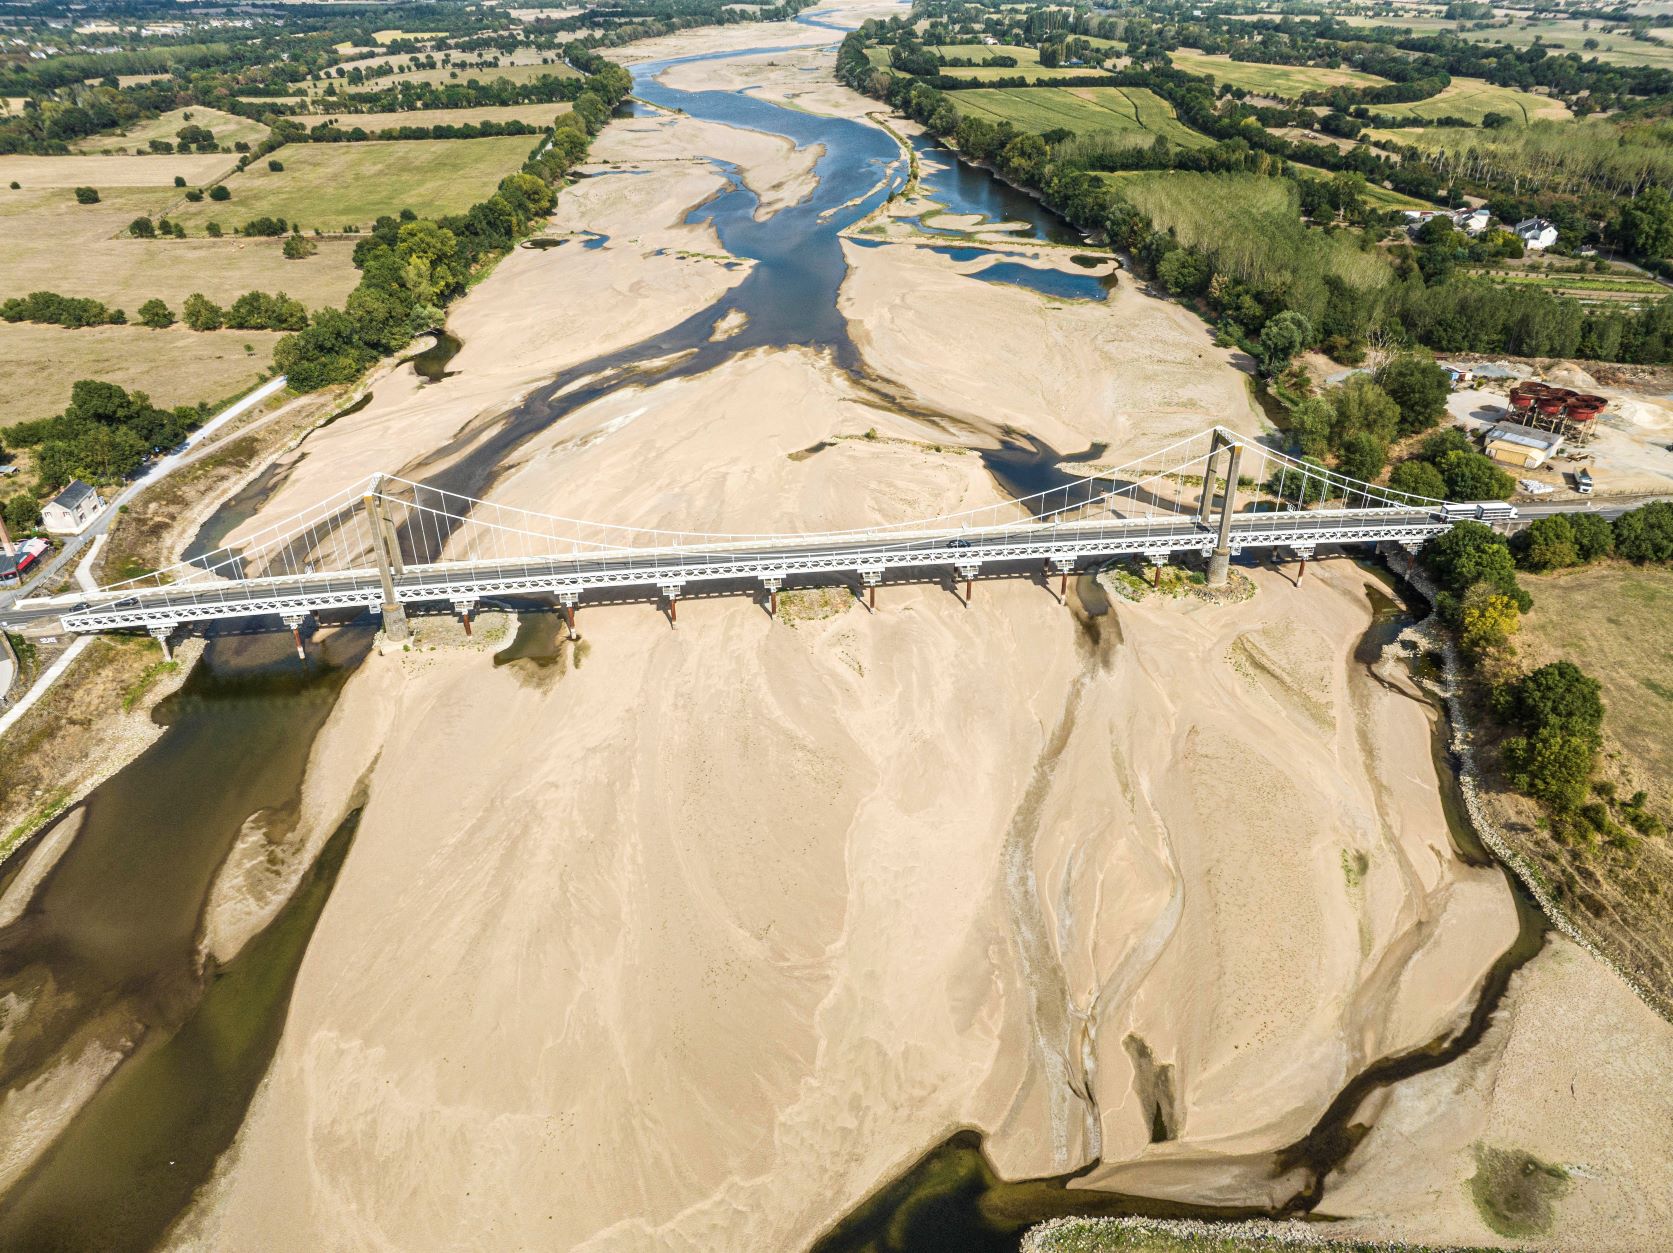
column 1473, row 99
column 447, row 74
column 228, row 129
column 106, row 173
column 50, row 243
column 1281, row 81
column 330, row 186
column 540, row 115
column 38, row 364
column 1612, row 621
column 1084, row 110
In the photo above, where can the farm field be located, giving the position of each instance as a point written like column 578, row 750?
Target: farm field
column 449, row 74
column 49, row 243
column 1560, row 35
column 1028, row 62
column 1283, row 81
column 1608, row 619
column 38, row 364
column 1591, row 288
column 102, row 173
column 329, row 186
column 228, row 129
column 1472, row 99
column 1085, row 110
column 535, row 114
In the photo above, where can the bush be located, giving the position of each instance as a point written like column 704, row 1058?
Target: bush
column 155, row 314
column 87, row 195
column 213, row 230
column 220, row 191
column 276, row 166
column 1646, row 533
column 55, row 310
column 1418, row 478
column 297, row 247
column 268, row 227
column 195, row 194
column 1419, row 387
column 179, row 180
column 1471, row 476
column 142, row 228
column 202, row 314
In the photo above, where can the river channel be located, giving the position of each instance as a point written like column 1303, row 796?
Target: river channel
column 107, row 948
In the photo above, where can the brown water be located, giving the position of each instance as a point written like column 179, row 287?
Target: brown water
column 113, row 931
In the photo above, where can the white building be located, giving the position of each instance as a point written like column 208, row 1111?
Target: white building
column 1472, row 221
column 1536, row 233
column 73, row 510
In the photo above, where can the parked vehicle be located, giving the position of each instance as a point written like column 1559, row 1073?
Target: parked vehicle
column 1583, row 482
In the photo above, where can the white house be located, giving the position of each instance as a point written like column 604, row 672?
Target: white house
column 1536, row 233
column 1472, row 221
column 72, row 511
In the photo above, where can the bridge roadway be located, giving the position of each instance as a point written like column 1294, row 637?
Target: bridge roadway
column 669, row 570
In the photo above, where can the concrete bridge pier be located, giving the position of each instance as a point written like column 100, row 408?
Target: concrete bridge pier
column 871, row 576
column 567, row 600
column 163, row 633
column 294, row 621
column 1305, row 554
column 967, row 570
column 394, row 613
column 671, row 593
column 1220, row 560
column 466, row 609
column 1064, row 567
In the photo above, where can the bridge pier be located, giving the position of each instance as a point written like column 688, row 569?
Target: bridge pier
column 871, row 576
column 772, row 582
column 394, row 613
column 1305, row 554
column 1412, row 547
column 466, row 609
column 294, row 621
column 162, row 632
column 671, row 593
column 567, row 600
column 967, row 570
column 1063, row 565
column 1220, row 560
column 1157, row 561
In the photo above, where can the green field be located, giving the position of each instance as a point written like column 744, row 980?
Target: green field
column 330, row 186
column 1472, row 99
column 1280, row 81
column 1028, row 62
column 228, row 129
column 1589, row 288
column 1084, row 110
column 1376, row 197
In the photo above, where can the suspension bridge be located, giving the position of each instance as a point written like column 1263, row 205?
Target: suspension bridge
column 387, row 543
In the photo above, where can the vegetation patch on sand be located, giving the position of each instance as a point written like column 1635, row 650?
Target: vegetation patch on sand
column 1150, row 1235
column 1514, row 1192
column 1282, row 81
column 330, row 186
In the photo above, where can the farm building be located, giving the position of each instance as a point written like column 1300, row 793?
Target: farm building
column 1536, row 233
column 72, row 511
column 1513, row 444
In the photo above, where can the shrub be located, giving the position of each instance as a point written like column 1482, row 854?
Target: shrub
column 85, row 195
column 195, row 194
column 276, row 166
column 220, row 191
column 179, row 180
column 202, row 314
column 155, row 314
column 213, row 230
column 297, row 247
column 142, row 228
column 1419, row 387
column 1646, row 533
column 1418, row 478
